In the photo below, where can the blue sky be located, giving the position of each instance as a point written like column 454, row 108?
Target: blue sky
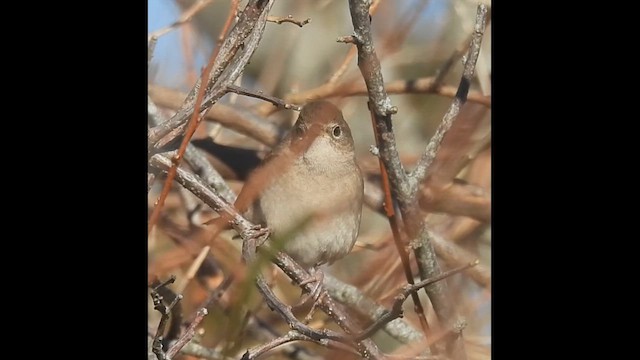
column 168, row 56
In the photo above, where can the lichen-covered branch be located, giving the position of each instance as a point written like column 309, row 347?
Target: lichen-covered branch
column 351, row 296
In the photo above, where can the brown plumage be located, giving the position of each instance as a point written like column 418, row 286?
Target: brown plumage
column 309, row 189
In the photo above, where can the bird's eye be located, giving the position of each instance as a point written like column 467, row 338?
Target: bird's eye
column 336, row 131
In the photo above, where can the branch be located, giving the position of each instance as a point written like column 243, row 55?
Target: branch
column 422, row 85
column 454, row 255
column 236, row 119
column 390, row 212
column 405, row 187
column 199, row 351
column 291, row 336
column 193, row 124
column 420, row 172
column 352, row 52
column 260, row 329
column 199, row 188
column 456, row 199
column 285, row 311
column 424, row 247
column 288, row 19
column 164, row 311
column 186, row 16
column 356, row 300
column 188, row 335
column 259, row 95
column 195, row 158
column 235, row 52
column 396, row 308
column 300, row 276
column 249, row 233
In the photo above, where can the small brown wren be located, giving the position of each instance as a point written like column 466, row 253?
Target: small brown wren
column 309, row 188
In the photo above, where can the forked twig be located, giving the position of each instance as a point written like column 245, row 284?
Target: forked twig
column 406, row 187
column 396, row 308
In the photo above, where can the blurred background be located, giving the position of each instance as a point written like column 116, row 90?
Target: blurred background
column 413, row 39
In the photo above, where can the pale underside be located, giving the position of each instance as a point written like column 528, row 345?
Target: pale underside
column 315, row 229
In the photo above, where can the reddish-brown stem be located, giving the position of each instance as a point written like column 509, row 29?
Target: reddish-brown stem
column 196, row 118
column 393, row 222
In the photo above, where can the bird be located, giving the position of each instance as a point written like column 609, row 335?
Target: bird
column 308, row 191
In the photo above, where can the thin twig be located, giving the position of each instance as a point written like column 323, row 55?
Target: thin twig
column 288, row 19
column 199, row 351
column 200, row 189
column 286, row 313
column 396, row 308
column 424, row 249
column 421, row 170
column 195, row 265
column 259, row 95
column 249, row 232
column 232, row 117
column 422, row 85
column 257, row 327
column 390, row 212
column 151, row 48
column 188, row 335
column 291, row 336
column 405, row 187
column 352, row 51
column 165, row 312
column 193, row 124
column 186, row 16
column 194, row 156
column 235, row 52
column 356, row 300
column 454, row 255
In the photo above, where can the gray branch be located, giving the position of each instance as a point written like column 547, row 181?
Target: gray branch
column 231, row 117
column 291, row 336
column 196, row 159
column 235, row 52
column 351, row 296
column 421, row 170
column 379, row 101
column 396, row 308
column 405, row 188
column 249, row 233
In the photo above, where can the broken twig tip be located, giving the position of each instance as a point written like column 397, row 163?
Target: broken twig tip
column 349, row 39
